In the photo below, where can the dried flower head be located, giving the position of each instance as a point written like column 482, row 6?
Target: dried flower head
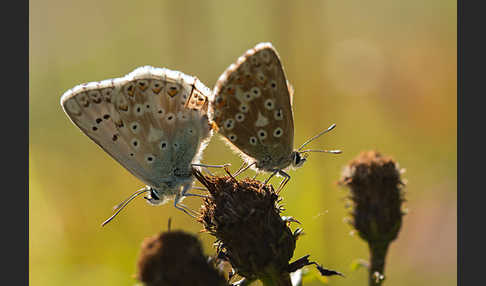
column 176, row 258
column 377, row 196
column 244, row 216
column 376, row 192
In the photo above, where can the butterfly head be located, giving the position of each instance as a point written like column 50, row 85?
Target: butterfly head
column 298, row 159
column 158, row 196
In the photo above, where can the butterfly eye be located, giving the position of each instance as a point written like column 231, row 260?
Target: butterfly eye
column 153, row 195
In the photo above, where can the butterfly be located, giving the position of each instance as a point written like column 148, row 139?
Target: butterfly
column 252, row 107
column 153, row 121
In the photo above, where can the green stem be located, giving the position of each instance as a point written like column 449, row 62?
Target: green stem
column 378, row 253
column 275, row 278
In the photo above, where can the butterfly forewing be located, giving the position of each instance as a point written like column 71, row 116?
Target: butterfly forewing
column 144, row 121
column 252, row 105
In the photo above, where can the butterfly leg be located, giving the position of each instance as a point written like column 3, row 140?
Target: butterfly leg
column 284, row 181
column 242, row 169
column 211, row 166
column 199, row 188
column 182, row 207
column 205, row 167
column 268, row 179
column 256, row 175
column 178, row 199
column 185, row 192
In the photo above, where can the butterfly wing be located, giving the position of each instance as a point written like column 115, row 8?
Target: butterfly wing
column 152, row 121
column 252, row 107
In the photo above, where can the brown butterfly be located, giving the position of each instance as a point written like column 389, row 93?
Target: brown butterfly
column 252, row 106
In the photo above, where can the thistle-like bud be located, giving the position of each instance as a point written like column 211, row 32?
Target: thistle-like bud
column 377, row 196
column 245, row 219
column 176, row 258
column 244, row 216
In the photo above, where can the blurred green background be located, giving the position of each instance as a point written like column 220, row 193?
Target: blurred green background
column 383, row 71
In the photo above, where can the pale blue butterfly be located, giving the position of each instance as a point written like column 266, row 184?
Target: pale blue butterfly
column 153, row 121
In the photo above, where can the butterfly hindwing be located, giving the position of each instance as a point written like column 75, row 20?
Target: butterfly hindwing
column 252, row 105
column 140, row 120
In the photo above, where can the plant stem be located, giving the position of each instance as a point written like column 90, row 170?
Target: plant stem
column 378, row 251
column 275, row 278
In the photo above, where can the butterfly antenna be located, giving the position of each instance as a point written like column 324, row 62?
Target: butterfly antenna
column 322, row 151
column 123, row 204
column 116, row 207
column 317, row 136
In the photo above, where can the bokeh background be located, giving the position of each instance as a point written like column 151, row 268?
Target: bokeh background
column 384, row 71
